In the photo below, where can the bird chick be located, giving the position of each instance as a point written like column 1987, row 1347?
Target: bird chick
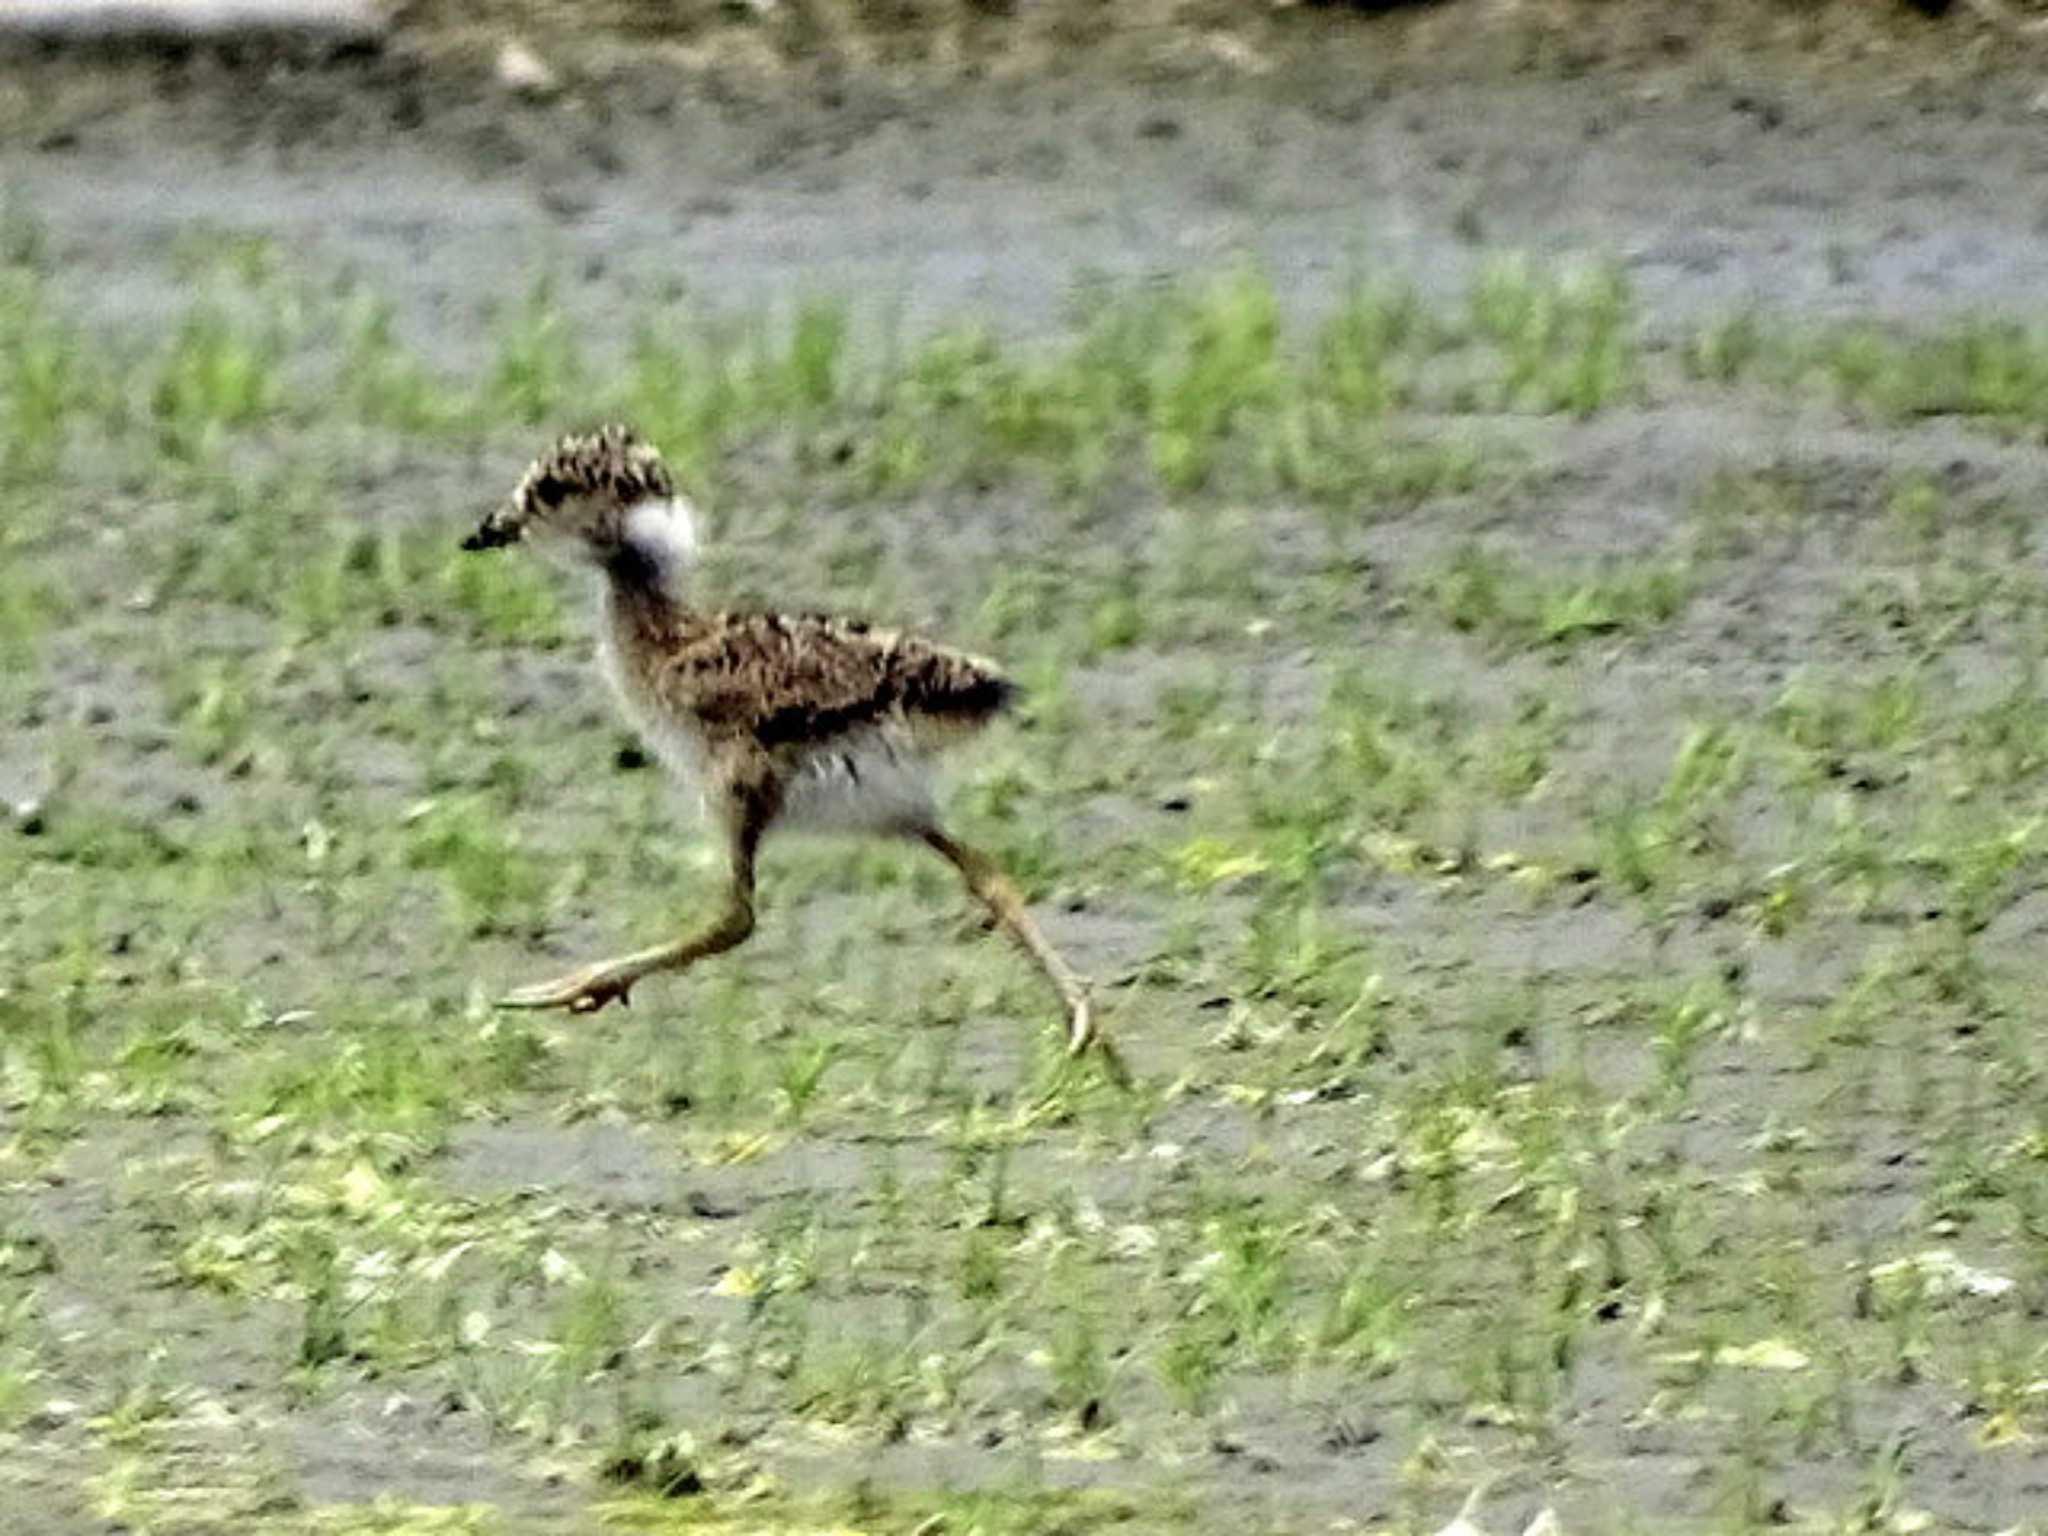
column 783, row 721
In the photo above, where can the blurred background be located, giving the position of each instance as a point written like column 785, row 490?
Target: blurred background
column 1517, row 522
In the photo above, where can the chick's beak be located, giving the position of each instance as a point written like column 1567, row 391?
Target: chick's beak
column 498, row 528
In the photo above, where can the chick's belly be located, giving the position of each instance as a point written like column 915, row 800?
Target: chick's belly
column 866, row 784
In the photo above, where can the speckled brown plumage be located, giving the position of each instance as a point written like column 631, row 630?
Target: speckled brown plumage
column 783, row 680
column 802, row 720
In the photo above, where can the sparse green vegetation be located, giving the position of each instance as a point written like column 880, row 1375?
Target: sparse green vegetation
column 1572, row 983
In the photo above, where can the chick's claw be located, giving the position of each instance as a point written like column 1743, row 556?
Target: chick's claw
column 584, row 991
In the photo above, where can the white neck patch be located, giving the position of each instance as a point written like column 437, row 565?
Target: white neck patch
column 664, row 533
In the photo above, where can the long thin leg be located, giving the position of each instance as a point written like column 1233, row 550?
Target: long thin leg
column 588, row 989
column 994, row 890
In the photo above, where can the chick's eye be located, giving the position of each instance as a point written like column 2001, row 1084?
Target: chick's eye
column 549, row 490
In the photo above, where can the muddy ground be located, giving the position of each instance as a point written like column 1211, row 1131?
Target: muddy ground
column 1718, row 183
column 1888, row 195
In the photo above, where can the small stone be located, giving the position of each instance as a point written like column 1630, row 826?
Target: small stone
column 524, row 73
column 53, row 1414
